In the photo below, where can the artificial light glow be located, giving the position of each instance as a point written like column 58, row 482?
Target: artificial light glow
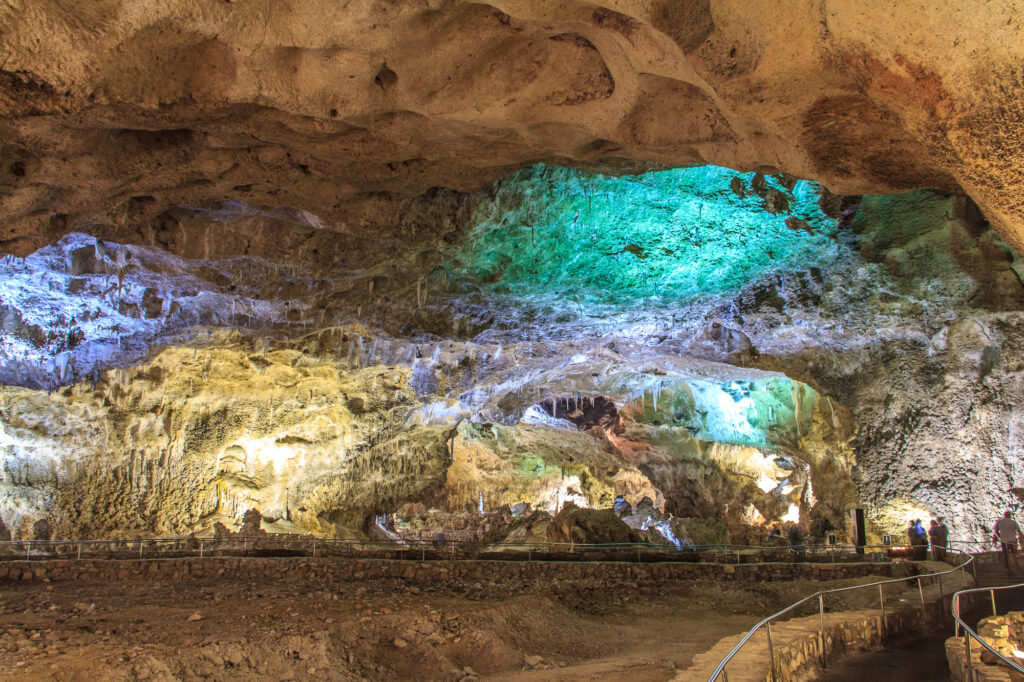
column 793, row 515
column 766, row 484
column 728, row 419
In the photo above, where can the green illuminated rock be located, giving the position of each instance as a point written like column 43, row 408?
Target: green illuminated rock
column 668, row 235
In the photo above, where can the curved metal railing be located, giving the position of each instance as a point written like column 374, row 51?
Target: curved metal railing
column 970, row 634
column 720, row 671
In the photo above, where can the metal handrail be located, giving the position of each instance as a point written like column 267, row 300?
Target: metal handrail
column 449, row 541
column 416, row 548
column 970, row 634
column 293, row 538
column 820, row 596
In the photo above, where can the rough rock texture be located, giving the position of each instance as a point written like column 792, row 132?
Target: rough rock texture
column 114, row 113
column 266, row 178
column 324, row 436
column 185, row 391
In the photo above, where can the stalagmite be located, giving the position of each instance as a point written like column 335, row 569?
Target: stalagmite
column 832, row 412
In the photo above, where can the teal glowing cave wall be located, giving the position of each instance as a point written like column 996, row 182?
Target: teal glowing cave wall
column 671, row 235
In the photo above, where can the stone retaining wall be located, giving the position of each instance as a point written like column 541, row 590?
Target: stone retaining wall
column 1004, row 634
column 429, row 572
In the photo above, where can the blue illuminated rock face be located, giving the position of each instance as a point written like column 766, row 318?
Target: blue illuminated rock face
column 82, row 305
column 669, row 235
column 764, row 412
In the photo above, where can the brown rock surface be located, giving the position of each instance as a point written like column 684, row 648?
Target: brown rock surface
column 113, row 113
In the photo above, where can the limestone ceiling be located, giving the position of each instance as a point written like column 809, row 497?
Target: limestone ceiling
column 113, row 112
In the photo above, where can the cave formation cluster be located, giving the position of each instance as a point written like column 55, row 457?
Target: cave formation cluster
column 491, row 268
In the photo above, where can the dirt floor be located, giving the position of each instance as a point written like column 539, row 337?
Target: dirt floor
column 297, row 629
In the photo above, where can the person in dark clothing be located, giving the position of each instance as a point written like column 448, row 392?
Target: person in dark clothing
column 796, row 541
column 939, row 536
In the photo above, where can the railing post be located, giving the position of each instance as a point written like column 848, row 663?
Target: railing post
column 200, row 549
column 140, row 548
column 920, row 589
column 314, row 549
column 28, row 550
column 881, row 603
column 771, row 651
column 821, row 626
column 992, row 594
column 967, row 648
column 79, row 551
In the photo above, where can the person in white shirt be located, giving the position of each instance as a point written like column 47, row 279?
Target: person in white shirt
column 1007, row 532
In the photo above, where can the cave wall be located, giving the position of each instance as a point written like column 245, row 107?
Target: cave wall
column 902, row 308
column 323, row 433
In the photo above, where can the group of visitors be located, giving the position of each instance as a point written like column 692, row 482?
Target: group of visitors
column 1006, row 533
column 937, row 535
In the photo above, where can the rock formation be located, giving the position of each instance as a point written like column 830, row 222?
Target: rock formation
column 329, row 263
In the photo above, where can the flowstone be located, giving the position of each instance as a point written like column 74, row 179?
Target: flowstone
column 318, row 442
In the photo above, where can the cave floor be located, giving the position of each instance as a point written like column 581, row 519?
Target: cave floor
column 298, row 628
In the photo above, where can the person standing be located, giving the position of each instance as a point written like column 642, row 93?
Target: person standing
column 922, row 541
column 918, row 540
column 911, row 533
column 796, row 541
column 939, row 536
column 1007, row 531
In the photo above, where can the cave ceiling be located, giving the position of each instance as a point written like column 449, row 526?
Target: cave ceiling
column 114, row 113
